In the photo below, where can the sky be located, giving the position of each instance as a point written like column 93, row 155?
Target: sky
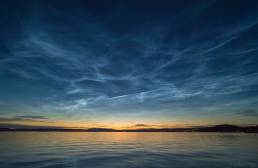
column 128, row 64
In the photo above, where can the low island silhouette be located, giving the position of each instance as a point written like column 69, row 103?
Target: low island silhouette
column 216, row 128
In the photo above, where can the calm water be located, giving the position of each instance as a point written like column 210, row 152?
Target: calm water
column 128, row 150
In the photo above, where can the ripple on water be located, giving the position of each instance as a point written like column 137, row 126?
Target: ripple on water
column 128, row 150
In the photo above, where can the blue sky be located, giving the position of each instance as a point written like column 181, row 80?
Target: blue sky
column 113, row 63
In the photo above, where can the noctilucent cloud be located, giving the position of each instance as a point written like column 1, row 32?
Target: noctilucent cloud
column 128, row 63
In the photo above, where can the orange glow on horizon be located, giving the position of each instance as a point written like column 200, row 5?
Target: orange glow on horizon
column 113, row 124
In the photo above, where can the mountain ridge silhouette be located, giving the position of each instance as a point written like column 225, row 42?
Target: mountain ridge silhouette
column 216, row 128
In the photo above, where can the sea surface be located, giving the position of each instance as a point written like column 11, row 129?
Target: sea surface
column 127, row 150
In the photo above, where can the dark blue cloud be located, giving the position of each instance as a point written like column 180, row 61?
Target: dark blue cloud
column 93, row 57
column 249, row 112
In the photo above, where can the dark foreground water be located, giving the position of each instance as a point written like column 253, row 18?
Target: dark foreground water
column 127, row 150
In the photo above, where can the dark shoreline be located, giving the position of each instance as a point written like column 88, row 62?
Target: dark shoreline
column 217, row 128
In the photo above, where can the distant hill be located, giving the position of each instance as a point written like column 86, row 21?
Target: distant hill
column 216, row 128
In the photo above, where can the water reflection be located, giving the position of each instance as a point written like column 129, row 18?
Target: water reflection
column 57, row 149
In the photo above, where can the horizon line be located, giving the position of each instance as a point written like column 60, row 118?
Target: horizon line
column 214, row 128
